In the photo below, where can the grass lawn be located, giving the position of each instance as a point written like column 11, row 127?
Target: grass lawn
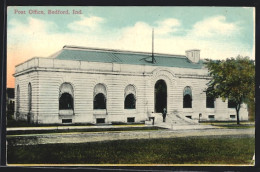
column 231, row 125
column 191, row 150
column 235, row 126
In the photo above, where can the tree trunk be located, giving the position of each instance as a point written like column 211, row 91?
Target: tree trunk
column 237, row 111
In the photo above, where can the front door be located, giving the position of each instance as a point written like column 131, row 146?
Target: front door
column 160, row 91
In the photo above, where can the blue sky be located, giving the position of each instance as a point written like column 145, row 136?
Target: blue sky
column 219, row 32
column 235, row 23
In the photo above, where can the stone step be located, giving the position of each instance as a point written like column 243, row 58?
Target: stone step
column 176, row 120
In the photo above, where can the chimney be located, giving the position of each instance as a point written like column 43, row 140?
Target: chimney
column 193, row 55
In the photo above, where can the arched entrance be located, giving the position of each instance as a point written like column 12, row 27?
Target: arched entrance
column 160, row 95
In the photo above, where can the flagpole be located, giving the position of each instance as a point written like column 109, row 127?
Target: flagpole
column 153, row 47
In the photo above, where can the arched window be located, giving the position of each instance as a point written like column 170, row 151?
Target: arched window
column 130, row 101
column 66, row 97
column 187, row 97
column 17, row 99
column 100, row 101
column 66, row 101
column 29, row 97
column 130, row 97
column 209, row 100
column 99, row 97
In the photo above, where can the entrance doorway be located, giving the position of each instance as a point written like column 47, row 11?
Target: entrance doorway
column 160, row 94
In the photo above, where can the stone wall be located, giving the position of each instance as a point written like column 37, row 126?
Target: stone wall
column 47, row 75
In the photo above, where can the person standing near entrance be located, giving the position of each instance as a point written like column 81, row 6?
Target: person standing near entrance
column 164, row 114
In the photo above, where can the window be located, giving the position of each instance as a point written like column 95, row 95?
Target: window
column 210, row 101
column 189, row 116
column 66, row 101
column 211, row 116
column 99, row 101
column 187, row 101
column 99, row 97
column 66, row 97
column 100, row 120
column 130, row 100
column 231, row 104
column 131, row 119
column 29, row 97
column 18, row 99
column 187, row 98
column 232, row 116
column 66, row 120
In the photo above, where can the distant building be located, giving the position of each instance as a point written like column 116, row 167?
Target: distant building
column 87, row 85
column 10, row 101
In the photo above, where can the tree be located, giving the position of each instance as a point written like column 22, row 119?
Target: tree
column 232, row 79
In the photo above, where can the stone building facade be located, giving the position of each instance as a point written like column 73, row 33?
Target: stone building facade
column 87, row 85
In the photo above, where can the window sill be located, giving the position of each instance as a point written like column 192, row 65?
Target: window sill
column 187, row 110
column 66, row 112
column 99, row 111
column 210, row 109
column 129, row 111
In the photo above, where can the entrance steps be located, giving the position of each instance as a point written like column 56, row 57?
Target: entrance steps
column 176, row 122
column 180, row 120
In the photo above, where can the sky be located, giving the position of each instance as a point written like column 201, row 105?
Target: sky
column 219, row 32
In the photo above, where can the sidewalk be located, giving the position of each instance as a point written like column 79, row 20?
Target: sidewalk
column 163, row 125
column 71, row 127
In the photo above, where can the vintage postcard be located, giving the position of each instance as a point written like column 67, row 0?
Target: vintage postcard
column 130, row 86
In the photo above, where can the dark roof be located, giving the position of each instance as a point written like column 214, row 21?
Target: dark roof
column 10, row 92
column 124, row 57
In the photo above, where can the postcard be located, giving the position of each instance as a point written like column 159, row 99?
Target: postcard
column 130, row 86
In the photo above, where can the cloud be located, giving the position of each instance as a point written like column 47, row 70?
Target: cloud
column 214, row 27
column 167, row 26
column 139, row 36
column 141, row 30
column 41, row 38
column 33, row 26
column 35, row 35
column 38, row 36
column 86, row 23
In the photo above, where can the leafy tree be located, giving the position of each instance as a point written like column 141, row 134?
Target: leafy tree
column 232, row 79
